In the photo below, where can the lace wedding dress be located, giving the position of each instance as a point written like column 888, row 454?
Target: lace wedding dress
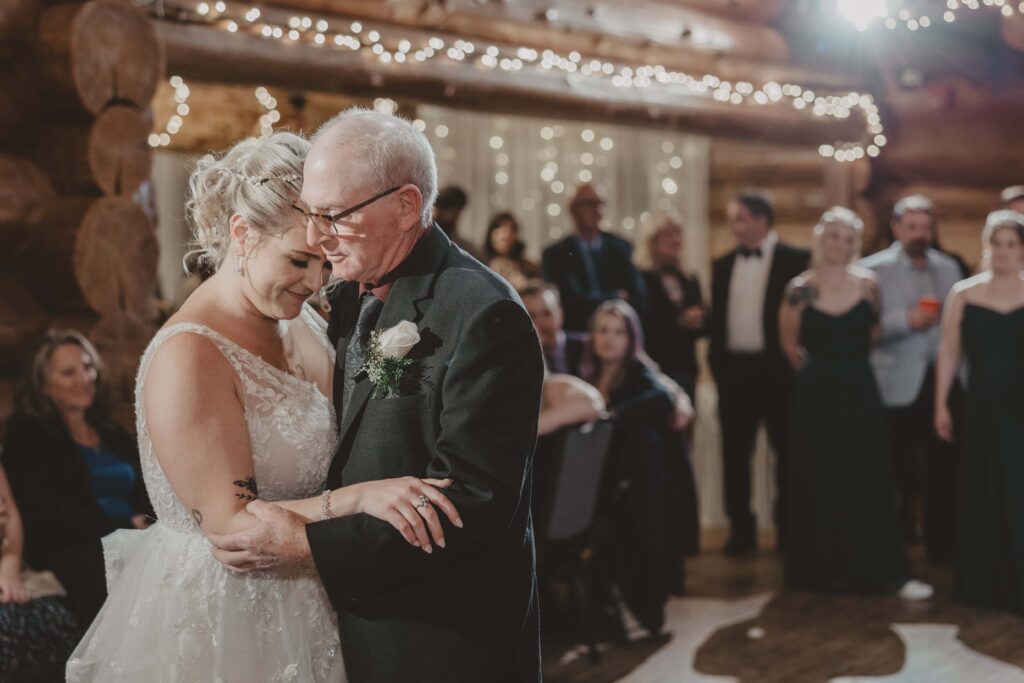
column 174, row 613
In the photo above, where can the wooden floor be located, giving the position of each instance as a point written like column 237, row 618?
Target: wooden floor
column 736, row 625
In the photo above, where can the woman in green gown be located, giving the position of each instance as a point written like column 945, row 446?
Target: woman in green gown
column 845, row 527
column 984, row 323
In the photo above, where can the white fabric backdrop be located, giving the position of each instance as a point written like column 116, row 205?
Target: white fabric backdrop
column 541, row 161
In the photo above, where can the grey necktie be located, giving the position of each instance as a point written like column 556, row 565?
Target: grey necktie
column 588, row 251
column 358, row 343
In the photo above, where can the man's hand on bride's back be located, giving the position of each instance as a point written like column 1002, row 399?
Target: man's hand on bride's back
column 278, row 538
column 410, row 505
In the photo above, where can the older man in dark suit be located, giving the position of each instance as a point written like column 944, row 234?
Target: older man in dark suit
column 751, row 373
column 591, row 266
column 465, row 409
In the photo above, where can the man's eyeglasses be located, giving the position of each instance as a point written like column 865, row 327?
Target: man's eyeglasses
column 328, row 223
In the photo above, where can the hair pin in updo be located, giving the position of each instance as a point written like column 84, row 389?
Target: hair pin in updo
column 258, row 181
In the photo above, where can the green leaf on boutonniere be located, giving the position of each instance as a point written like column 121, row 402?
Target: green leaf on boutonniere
column 386, row 374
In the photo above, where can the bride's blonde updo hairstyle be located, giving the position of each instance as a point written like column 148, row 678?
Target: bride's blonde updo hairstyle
column 258, row 178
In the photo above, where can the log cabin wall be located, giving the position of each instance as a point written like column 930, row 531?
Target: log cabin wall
column 958, row 143
column 802, row 183
column 77, row 241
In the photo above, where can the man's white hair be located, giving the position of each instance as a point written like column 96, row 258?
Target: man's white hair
column 391, row 152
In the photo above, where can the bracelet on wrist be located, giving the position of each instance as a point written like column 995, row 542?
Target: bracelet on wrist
column 325, row 504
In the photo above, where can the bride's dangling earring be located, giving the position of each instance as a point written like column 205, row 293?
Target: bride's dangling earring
column 325, row 304
column 239, row 264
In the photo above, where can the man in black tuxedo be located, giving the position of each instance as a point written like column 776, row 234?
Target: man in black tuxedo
column 591, row 266
column 753, row 377
column 466, row 410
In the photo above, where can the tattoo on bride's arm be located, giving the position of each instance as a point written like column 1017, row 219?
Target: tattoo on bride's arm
column 198, row 516
column 249, row 486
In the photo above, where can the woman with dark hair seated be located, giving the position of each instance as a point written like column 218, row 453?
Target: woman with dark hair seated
column 37, row 632
column 74, row 471
column 505, row 251
column 640, row 490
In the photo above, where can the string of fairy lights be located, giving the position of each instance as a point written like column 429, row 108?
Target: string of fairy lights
column 391, row 46
column 865, row 14
column 177, row 119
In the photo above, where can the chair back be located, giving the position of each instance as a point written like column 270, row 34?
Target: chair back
column 579, row 473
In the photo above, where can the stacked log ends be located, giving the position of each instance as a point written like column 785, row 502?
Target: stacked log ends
column 93, row 256
column 19, row 97
column 17, row 18
column 99, row 53
column 24, row 195
column 115, row 257
column 22, row 323
column 76, row 251
column 121, row 340
column 120, row 157
column 110, row 156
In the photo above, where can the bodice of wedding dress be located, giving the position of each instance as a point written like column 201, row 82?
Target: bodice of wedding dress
column 289, row 415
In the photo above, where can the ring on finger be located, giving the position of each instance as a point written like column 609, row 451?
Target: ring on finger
column 422, row 502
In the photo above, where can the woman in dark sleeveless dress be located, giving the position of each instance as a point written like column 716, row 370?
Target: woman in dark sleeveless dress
column 845, row 528
column 985, row 319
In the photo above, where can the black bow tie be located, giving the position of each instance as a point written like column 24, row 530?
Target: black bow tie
column 747, row 253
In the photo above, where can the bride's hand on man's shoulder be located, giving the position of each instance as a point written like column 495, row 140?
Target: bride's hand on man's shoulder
column 410, row 505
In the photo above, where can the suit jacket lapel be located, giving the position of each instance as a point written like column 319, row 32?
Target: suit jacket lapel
column 412, row 288
column 727, row 265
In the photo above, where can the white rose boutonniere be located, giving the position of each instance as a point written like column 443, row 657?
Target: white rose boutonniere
column 386, row 361
column 398, row 341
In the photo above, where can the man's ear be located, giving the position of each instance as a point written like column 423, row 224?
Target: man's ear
column 411, row 207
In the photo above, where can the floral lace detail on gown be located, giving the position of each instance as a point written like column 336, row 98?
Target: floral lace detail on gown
column 175, row 614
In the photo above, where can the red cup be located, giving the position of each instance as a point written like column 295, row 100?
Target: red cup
column 930, row 304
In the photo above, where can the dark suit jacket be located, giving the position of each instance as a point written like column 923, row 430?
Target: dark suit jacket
column 563, row 266
column 672, row 346
column 566, row 360
column 466, row 612
column 787, row 263
column 62, row 520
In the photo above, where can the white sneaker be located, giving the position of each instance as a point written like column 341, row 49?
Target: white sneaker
column 914, row 590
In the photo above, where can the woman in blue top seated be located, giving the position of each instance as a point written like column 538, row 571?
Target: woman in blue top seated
column 74, row 471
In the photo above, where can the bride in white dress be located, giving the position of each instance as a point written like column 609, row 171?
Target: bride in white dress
column 232, row 403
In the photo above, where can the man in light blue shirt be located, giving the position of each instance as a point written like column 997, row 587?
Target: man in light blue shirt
column 914, row 280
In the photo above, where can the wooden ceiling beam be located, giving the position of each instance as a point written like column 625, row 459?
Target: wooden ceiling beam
column 618, row 31
column 209, row 54
column 761, row 11
column 223, row 113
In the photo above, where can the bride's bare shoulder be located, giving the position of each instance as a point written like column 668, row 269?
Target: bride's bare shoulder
column 186, row 357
